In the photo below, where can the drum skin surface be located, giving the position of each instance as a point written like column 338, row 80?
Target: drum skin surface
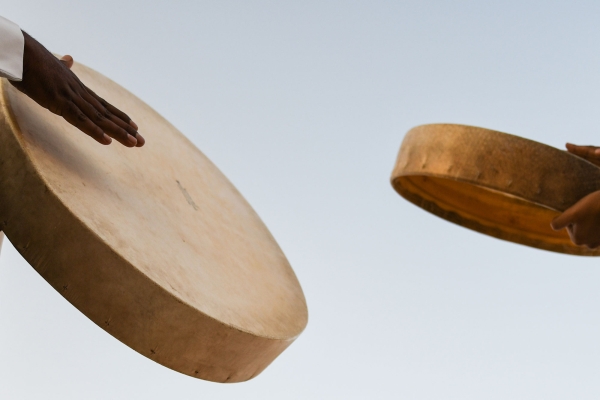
column 494, row 183
column 153, row 244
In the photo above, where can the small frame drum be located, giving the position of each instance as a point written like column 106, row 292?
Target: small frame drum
column 494, row 183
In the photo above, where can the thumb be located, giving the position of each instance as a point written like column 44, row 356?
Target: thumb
column 562, row 221
column 67, row 60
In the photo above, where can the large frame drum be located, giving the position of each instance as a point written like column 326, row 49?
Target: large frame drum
column 153, row 244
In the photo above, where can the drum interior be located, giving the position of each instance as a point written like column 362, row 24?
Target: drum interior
column 488, row 211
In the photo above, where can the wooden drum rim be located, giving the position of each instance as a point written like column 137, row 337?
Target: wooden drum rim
column 507, row 169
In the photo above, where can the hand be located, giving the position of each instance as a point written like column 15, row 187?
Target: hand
column 589, row 153
column 51, row 84
column 582, row 221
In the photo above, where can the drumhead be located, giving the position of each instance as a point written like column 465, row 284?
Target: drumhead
column 153, row 244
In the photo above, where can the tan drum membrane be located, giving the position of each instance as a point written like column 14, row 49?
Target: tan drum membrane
column 153, row 244
column 494, row 183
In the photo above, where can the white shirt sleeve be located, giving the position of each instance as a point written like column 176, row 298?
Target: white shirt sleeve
column 12, row 46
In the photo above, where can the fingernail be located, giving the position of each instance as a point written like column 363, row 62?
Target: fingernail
column 107, row 139
column 131, row 139
column 134, row 125
column 140, row 140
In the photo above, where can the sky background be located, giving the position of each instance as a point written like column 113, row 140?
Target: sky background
column 303, row 105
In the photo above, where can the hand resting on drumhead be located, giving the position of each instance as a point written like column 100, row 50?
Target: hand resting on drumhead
column 582, row 221
column 51, row 84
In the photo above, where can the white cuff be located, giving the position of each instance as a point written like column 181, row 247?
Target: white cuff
column 12, row 46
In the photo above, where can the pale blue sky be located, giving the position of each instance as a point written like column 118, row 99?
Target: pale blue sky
column 303, row 105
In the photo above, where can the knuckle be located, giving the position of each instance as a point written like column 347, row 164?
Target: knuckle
column 67, row 107
column 71, row 87
column 64, row 92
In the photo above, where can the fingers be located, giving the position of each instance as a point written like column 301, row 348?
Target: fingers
column 113, row 121
column 67, row 60
column 590, row 153
column 563, row 220
column 119, row 117
column 77, row 118
column 581, row 151
column 106, row 122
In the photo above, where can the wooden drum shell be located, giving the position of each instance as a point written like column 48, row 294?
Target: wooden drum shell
column 114, row 293
column 494, row 183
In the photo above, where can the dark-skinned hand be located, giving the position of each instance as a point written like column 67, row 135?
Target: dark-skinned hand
column 582, row 221
column 51, row 83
